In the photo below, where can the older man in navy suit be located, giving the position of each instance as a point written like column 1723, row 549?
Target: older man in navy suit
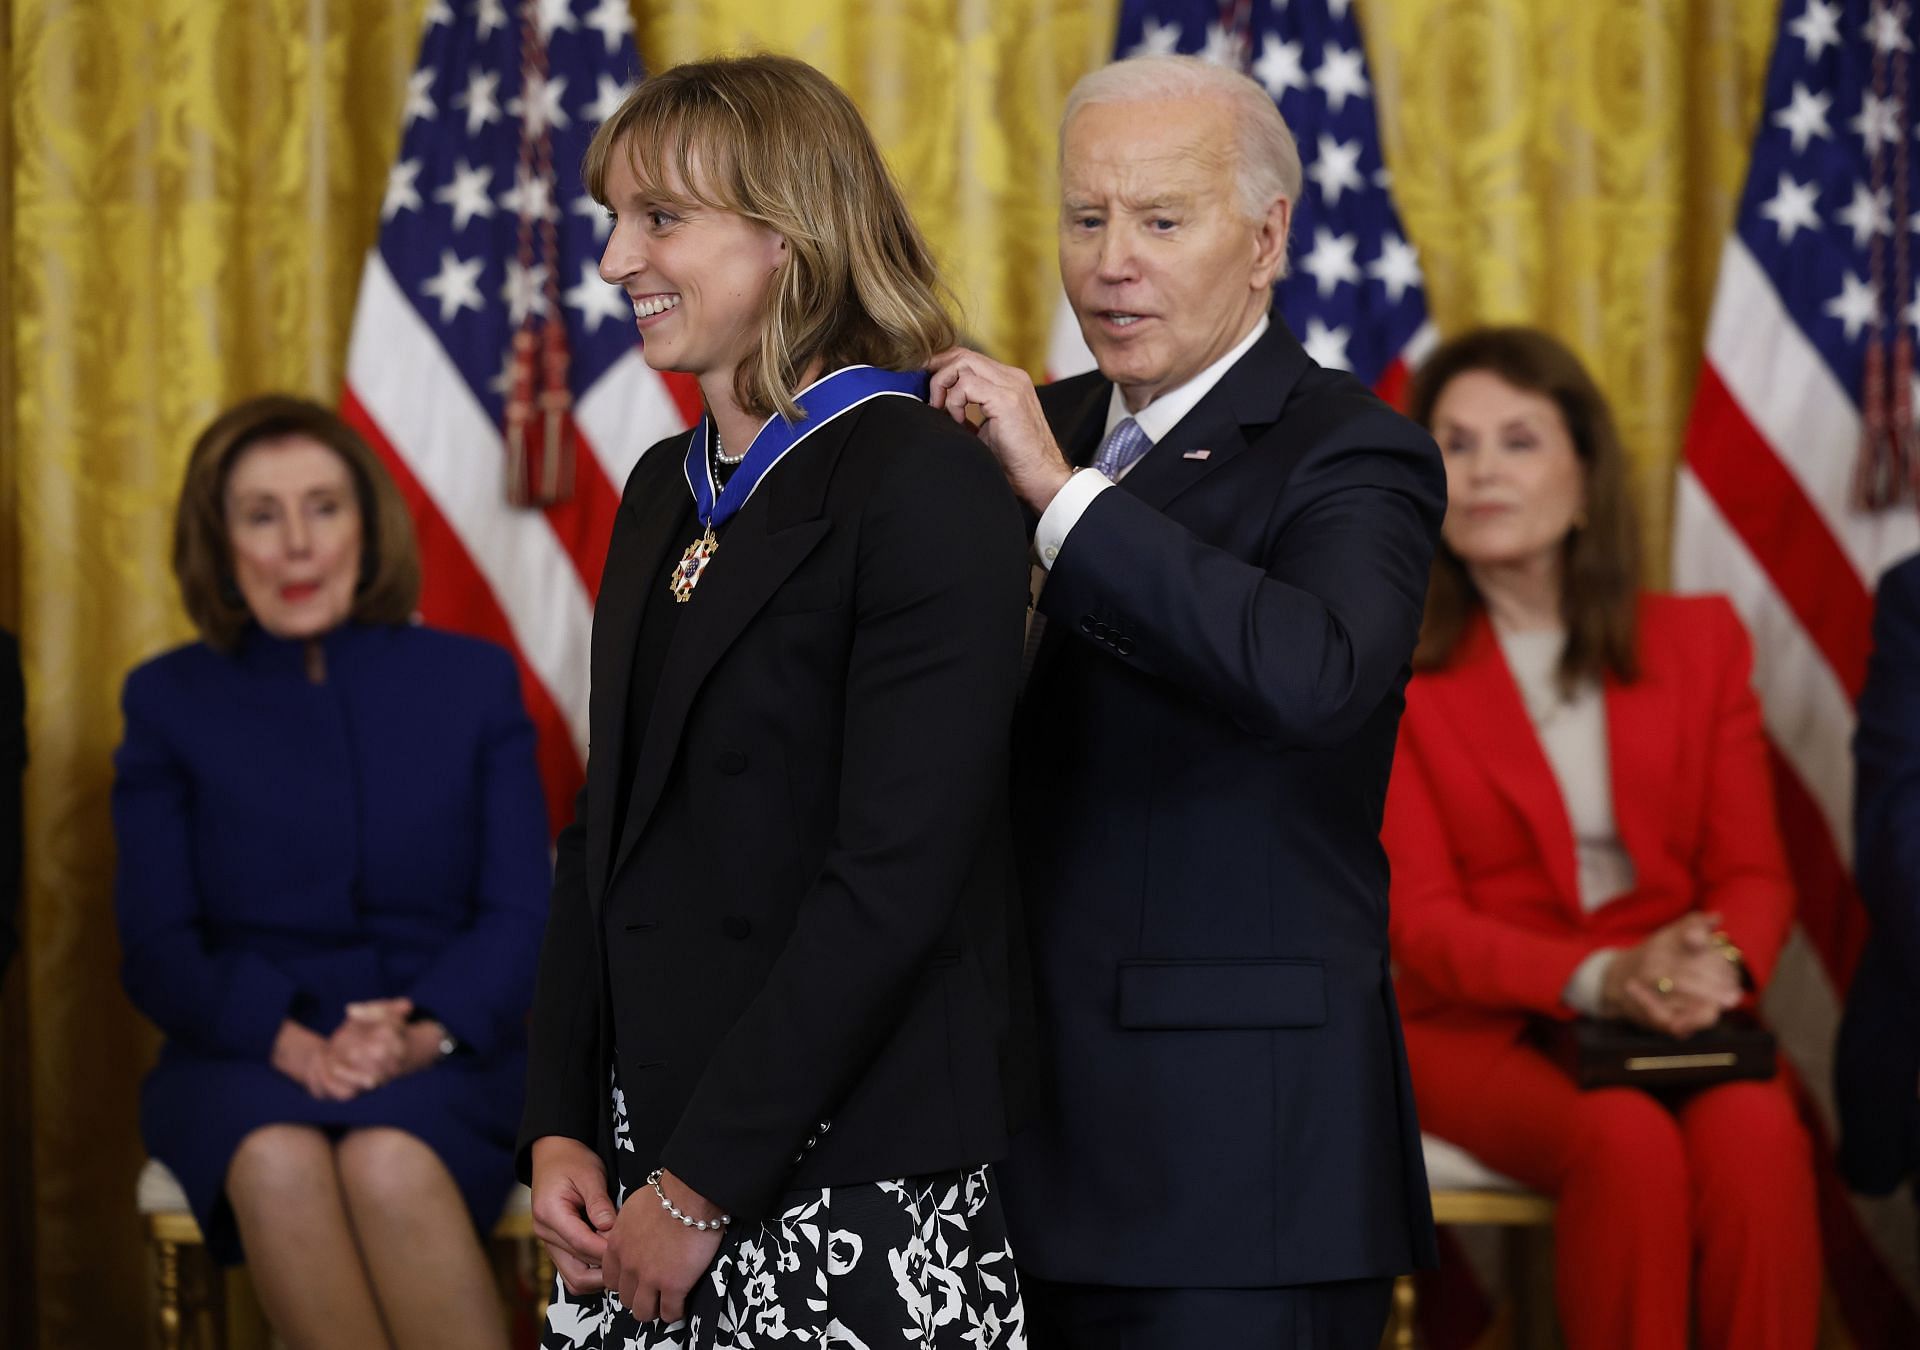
column 1235, row 546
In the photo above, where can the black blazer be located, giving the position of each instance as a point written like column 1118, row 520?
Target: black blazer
column 1201, row 764
column 802, row 918
column 1877, row 1060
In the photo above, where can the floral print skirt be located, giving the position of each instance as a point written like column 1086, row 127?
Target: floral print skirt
column 921, row 1263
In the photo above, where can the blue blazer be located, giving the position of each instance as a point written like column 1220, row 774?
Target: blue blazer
column 287, row 847
column 1877, row 1063
column 1201, row 759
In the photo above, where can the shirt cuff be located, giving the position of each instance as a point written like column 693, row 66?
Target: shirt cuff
column 1064, row 512
column 1582, row 993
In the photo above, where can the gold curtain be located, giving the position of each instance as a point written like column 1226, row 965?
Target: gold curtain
column 192, row 187
column 1576, row 164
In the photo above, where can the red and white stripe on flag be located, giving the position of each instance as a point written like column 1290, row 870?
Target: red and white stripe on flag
column 1810, row 286
column 484, row 344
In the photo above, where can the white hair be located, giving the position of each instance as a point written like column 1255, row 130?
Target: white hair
column 1269, row 164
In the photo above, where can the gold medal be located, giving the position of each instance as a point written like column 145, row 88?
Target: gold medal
column 686, row 574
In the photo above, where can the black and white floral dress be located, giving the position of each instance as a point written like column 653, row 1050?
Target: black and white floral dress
column 919, row 1263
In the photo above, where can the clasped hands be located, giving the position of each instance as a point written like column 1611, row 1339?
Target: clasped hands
column 373, row 1045
column 641, row 1253
column 1679, row 980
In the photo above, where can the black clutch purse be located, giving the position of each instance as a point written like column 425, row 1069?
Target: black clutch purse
column 1602, row 1052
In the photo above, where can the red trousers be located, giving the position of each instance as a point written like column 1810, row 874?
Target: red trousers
column 1703, row 1212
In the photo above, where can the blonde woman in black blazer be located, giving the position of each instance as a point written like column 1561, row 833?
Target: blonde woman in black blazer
column 766, row 1078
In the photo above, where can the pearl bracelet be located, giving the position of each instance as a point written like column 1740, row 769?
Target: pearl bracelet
column 653, row 1180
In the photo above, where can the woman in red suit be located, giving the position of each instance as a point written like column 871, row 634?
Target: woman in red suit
column 1580, row 820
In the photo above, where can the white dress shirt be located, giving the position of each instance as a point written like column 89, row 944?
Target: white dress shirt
column 1156, row 420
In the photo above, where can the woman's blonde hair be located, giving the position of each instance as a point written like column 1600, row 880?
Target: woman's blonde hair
column 775, row 141
column 389, row 585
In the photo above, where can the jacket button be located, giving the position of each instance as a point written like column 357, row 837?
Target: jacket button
column 737, row 927
column 731, row 762
column 1087, row 625
column 1123, row 645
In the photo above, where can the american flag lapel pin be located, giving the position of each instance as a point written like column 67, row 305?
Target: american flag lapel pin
column 1198, row 454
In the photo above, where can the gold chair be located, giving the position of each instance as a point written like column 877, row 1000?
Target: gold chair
column 189, row 1290
column 1468, row 1193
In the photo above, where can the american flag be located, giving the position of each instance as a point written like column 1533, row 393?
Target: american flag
column 1799, row 422
column 1353, row 294
column 493, row 370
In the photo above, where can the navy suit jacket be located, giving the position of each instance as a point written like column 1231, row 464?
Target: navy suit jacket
column 1878, row 1061
column 287, row 848
column 1202, row 757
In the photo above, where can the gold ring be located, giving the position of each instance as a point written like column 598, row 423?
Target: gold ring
column 1664, row 984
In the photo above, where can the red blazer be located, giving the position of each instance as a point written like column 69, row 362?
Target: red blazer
column 1486, row 915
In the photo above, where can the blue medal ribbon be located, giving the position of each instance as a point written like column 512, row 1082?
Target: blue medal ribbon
column 820, row 402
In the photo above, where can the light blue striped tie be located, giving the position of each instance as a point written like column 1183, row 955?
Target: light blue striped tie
column 1123, row 445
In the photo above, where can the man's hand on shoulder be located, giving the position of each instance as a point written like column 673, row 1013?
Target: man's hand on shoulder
column 1011, row 423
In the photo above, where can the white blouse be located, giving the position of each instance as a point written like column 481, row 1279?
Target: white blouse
column 1573, row 734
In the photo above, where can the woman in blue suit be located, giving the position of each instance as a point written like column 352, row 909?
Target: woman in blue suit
column 332, row 884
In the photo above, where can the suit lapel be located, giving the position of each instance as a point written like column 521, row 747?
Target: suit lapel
column 759, row 549
column 1079, row 419
column 1484, row 707
column 1076, row 412
column 1165, row 472
column 1248, row 399
column 1642, row 727
column 652, row 508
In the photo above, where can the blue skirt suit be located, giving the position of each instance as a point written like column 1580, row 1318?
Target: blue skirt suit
column 288, row 847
